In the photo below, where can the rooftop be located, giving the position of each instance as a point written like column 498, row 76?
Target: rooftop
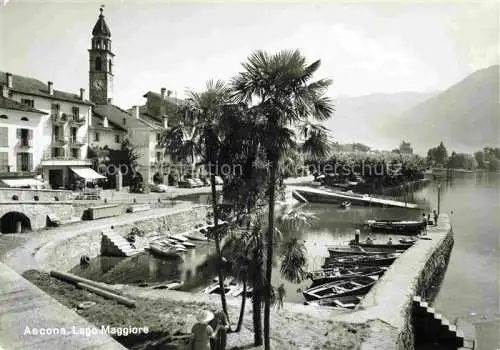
column 7, row 103
column 32, row 86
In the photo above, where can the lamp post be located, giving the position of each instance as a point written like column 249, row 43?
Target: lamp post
column 439, row 198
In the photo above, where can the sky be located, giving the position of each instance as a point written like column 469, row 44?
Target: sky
column 365, row 47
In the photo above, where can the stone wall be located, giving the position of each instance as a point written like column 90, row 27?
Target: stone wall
column 390, row 300
column 26, row 194
column 37, row 212
column 64, row 254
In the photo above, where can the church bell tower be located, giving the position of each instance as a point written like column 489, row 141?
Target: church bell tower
column 101, row 63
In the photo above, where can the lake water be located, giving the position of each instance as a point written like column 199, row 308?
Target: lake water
column 469, row 286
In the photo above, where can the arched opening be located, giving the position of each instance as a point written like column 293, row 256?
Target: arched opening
column 15, row 222
column 110, row 68
column 98, row 64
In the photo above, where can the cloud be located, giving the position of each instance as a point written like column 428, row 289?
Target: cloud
column 372, row 55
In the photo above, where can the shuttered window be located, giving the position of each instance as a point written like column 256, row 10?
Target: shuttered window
column 24, row 161
column 4, row 137
column 4, row 162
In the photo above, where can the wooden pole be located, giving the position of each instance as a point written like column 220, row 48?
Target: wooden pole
column 439, row 198
column 68, row 277
column 106, row 294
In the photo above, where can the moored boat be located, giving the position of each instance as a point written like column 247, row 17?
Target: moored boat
column 336, row 274
column 362, row 260
column 345, row 302
column 410, row 240
column 395, row 226
column 195, row 236
column 171, row 285
column 352, row 286
column 335, row 251
column 401, row 246
column 168, row 252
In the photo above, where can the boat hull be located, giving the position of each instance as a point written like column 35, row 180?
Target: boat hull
column 356, row 260
column 399, row 227
column 326, row 276
column 330, row 290
column 400, row 246
column 345, row 302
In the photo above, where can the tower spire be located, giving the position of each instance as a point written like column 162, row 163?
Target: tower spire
column 101, row 28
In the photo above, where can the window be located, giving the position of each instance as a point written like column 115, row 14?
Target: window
column 57, row 152
column 158, row 138
column 4, row 137
column 159, row 156
column 117, row 139
column 97, row 137
column 4, row 162
column 24, row 119
column 55, row 108
column 75, row 153
column 28, row 102
column 110, row 66
column 98, row 64
column 24, row 161
column 25, row 136
column 124, row 121
column 76, row 112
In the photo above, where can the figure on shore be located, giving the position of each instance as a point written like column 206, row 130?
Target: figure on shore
column 369, row 240
column 390, row 241
column 281, row 296
column 357, row 233
column 220, row 323
column 424, row 224
column 435, row 217
column 202, row 332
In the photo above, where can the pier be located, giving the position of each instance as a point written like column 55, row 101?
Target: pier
column 329, row 196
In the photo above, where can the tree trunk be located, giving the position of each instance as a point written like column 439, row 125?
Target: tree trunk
column 257, row 316
column 217, row 244
column 269, row 257
column 242, row 309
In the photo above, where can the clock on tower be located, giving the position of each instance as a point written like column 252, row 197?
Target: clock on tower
column 101, row 63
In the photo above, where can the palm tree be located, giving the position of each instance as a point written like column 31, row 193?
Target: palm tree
column 201, row 132
column 279, row 82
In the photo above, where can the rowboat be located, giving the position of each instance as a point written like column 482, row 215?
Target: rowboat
column 336, row 274
column 169, row 252
column 230, row 289
column 345, row 204
column 179, row 237
column 401, row 246
column 410, row 240
column 195, row 236
column 171, row 285
column 188, row 244
column 361, row 260
column 336, row 251
column 345, row 302
column 399, row 226
column 171, row 244
column 353, row 286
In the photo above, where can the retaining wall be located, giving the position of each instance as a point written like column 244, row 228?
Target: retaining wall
column 27, row 194
column 64, row 254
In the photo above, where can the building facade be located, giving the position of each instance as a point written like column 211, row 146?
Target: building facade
column 57, row 130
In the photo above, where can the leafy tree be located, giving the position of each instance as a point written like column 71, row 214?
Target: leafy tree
column 438, row 155
column 279, row 84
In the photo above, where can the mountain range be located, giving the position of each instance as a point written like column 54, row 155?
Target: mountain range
column 465, row 116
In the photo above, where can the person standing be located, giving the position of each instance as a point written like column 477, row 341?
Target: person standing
column 221, row 323
column 202, row 332
column 424, row 224
column 435, row 217
column 281, row 296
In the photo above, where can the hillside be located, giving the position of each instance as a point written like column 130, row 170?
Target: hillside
column 465, row 116
column 358, row 119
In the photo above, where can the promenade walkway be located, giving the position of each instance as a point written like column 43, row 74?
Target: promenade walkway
column 25, row 309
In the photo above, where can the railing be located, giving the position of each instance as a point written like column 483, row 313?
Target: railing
column 26, row 143
column 77, row 140
column 60, row 139
column 58, row 117
column 77, row 119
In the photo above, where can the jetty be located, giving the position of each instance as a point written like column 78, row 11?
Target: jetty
column 323, row 195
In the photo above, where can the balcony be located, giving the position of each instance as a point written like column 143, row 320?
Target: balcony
column 25, row 143
column 60, row 140
column 77, row 120
column 77, row 141
column 63, row 159
column 59, row 118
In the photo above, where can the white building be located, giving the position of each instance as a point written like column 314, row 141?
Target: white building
column 52, row 130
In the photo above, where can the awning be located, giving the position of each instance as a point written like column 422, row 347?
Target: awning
column 87, row 173
column 22, row 182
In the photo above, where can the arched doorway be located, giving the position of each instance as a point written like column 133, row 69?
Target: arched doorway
column 15, row 222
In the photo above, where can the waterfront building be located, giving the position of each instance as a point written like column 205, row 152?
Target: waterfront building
column 42, row 130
